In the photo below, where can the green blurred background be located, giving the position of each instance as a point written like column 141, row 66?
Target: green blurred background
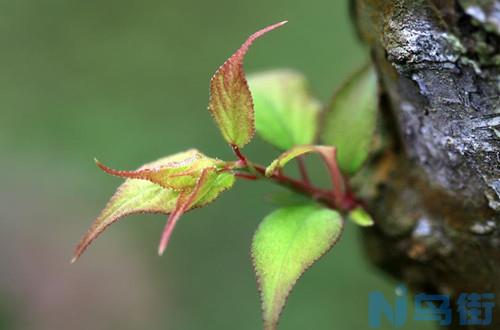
column 127, row 82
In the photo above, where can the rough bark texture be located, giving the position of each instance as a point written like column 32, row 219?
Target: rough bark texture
column 436, row 189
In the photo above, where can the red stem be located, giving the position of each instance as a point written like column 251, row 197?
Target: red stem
column 339, row 186
column 246, row 176
column 238, row 154
column 303, row 170
column 324, row 196
column 336, row 199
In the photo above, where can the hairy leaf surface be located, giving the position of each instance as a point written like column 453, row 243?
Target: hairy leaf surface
column 231, row 102
column 143, row 196
column 286, row 244
column 180, row 172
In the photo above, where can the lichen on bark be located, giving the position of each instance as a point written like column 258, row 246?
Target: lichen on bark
column 435, row 193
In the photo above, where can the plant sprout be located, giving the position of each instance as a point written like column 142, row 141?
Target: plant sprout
column 279, row 106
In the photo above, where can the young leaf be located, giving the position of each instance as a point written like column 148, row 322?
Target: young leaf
column 350, row 119
column 230, row 99
column 209, row 185
column 360, row 217
column 142, row 196
column 286, row 114
column 287, row 156
column 329, row 156
column 132, row 197
column 179, row 174
column 186, row 199
column 286, row 244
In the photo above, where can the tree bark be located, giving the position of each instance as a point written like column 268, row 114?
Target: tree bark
column 435, row 191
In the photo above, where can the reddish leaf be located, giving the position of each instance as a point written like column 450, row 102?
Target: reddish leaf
column 231, row 102
column 184, row 203
column 142, row 196
column 178, row 175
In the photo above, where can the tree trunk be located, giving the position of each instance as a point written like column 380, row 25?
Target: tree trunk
column 435, row 192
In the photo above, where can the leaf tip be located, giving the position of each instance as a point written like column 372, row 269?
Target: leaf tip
column 104, row 167
column 167, row 232
column 80, row 248
column 161, row 249
column 360, row 217
column 269, row 171
column 279, row 24
column 181, row 207
column 119, row 173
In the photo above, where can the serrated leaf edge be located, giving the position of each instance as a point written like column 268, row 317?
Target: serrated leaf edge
column 285, row 298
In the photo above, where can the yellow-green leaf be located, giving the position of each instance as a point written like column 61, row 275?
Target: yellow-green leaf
column 351, row 118
column 217, row 184
column 286, row 114
column 132, row 197
column 287, row 156
column 179, row 172
column 360, row 217
column 230, row 99
column 143, row 196
column 207, row 188
column 286, row 244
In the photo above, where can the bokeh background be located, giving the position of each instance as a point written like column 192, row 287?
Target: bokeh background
column 127, row 82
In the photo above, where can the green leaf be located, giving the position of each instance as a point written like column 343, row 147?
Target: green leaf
column 207, row 188
column 286, row 244
column 143, row 196
column 217, row 184
column 360, row 217
column 351, row 118
column 180, row 172
column 230, row 99
column 132, row 197
column 285, row 112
